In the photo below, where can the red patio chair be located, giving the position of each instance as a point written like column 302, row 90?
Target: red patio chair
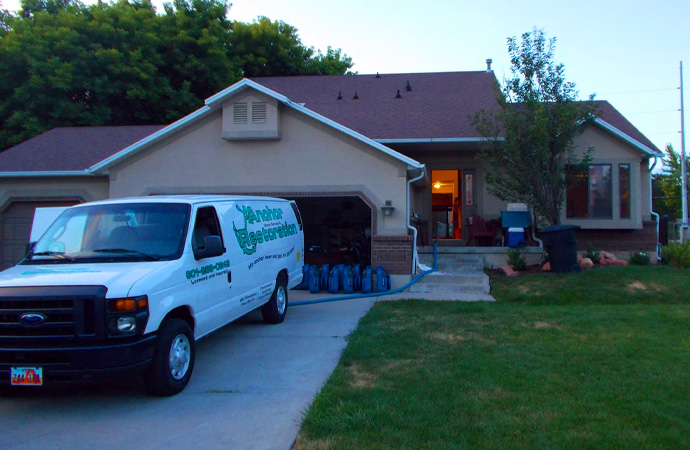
column 480, row 230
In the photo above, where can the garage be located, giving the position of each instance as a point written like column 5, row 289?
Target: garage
column 337, row 229
column 15, row 228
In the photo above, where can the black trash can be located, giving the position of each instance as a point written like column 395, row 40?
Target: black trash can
column 561, row 246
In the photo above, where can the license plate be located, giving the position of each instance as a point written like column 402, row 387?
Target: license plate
column 26, row 376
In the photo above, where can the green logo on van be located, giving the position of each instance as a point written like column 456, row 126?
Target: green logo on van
column 249, row 241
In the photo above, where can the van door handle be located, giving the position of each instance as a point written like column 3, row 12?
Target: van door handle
column 229, row 277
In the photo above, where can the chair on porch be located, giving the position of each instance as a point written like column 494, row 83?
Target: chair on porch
column 480, row 231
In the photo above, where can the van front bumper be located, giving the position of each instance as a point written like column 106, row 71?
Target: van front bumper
column 80, row 362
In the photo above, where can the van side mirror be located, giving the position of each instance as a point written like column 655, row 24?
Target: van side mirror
column 212, row 247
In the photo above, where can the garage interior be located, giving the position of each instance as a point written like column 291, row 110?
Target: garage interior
column 336, row 230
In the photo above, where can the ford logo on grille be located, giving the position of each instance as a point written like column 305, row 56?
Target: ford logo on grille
column 32, row 319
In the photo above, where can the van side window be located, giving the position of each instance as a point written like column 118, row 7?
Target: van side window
column 299, row 217
column 206, row 225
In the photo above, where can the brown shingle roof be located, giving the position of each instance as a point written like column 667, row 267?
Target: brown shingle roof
column 71, row 148
column 610, row 115
column 438, row 106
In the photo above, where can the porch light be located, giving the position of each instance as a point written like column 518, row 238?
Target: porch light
column 388, row 208
column 437, row 185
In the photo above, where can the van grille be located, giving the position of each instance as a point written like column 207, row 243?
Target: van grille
column 64, row 315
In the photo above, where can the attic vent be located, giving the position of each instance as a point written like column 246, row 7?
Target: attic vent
column 259, row 112
column 239, row 113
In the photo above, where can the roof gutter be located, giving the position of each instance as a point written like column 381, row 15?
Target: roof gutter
column 48, row 173
column 455, row 140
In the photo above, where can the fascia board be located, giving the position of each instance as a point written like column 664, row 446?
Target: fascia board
column 635, row 143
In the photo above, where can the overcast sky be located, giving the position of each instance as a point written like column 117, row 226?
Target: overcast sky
column 627, row 52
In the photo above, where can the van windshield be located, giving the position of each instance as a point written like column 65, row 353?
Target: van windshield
column 114, row 233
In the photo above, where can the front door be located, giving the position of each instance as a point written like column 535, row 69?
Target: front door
column 446, row 204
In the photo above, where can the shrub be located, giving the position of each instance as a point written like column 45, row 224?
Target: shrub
column 639, row 258
column 592, row 254
column 516, row 260
column 678, row 255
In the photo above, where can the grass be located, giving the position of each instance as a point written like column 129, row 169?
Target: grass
column 582, row 361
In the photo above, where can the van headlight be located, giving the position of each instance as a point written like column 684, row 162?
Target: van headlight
column 127, row 316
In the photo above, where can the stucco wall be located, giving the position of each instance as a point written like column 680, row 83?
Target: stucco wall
column 309, row 157
column 49, row 188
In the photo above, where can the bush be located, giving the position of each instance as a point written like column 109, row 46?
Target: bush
column 516, row 260
column 678, row 255
column 592, row 254
column 639, row 258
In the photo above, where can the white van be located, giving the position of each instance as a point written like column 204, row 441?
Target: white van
column 130, row 284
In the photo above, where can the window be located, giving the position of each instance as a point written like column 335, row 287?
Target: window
column 239, row 113
column 590, row 193
column 206, row 225
column 624, row 189
column 259, row 112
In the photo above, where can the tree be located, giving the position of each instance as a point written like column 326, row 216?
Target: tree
column 63, row 63
column 272, row 48
column 530, row 134
column 669, row 185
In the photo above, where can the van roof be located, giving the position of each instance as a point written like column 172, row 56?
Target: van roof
column 190, row 199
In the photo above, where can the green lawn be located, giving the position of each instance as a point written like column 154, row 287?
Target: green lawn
column 595, row 360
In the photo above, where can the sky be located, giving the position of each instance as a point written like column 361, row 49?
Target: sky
column 626, row 52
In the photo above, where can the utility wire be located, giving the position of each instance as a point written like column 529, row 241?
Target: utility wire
column 641, row 92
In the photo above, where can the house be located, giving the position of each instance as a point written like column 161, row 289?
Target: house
column 359, row 153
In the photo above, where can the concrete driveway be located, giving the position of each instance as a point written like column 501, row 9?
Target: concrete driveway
column 251, row 384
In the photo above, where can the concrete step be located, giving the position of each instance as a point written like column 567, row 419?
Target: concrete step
column 468, row 283
column 455, row 263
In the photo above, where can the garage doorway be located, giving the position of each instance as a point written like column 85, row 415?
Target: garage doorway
column 336, row 229
column 15, row 228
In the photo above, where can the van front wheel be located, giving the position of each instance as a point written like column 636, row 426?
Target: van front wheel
column 173, row 359
column 275, row 310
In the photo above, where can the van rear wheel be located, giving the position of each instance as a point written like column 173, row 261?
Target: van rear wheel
column 173, row 359
column 275, row 310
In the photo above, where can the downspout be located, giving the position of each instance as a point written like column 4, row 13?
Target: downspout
column 409, row 216
column 651, row 205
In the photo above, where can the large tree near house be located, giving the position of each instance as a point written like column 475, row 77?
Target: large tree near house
column 530, row 135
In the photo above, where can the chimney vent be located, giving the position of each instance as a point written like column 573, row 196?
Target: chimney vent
column 398, row 96
column 356, row 97
column 408, row 88
column 340, row 95
column 377, row 75
column 488, row 64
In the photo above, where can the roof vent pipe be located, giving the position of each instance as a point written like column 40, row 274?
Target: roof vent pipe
column 340, row 95
column 488, row 64
column 398, row 96
column 377, row 75
column 408, row 88
column 356, row 97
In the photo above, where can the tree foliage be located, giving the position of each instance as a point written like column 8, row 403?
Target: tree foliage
column 530, row 134
column 67, row 64
column 668, row 183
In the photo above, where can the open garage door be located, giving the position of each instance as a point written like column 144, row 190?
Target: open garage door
column 15, row 228
column 336, row 230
